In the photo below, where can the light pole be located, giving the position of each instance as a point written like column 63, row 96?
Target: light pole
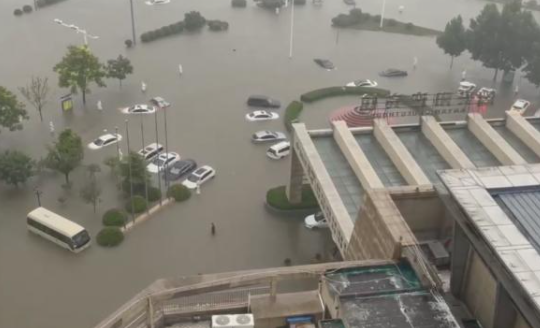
column 166, row 142
column 77, row 29
column 157, row 143
column 145, row 178
column 292, row 30
column 38, row 196
column 130, row 175
column 117, row 145
column 132, row 22
column 382, row 12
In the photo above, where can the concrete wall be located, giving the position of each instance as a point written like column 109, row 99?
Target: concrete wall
column 524, row 131
column 480, row 291
column 521, row 323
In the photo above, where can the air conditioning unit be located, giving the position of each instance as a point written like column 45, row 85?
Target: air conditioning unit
column 233, row 321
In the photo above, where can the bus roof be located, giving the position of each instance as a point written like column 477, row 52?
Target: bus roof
column 55, row 221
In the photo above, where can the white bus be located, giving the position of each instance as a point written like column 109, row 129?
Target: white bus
column 57, row 229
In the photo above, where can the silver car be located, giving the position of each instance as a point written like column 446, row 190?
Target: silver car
column 268, row 136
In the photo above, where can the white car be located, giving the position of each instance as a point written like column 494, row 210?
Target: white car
column 268, row 136
column 162, row 161
column 151, row 151
column 362, row 83
column 104, row 141
column 316, row 220
column 139, row 109
column 520, row 106
column 199, row 176
column 466, row 88
column 261, row 115
column 160, row 102
column 157, row 2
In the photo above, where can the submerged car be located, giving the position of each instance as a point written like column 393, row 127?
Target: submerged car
column 160, row 102
column 139, row 109
column 486, row 94
column 324, row 63
column 520, row 106
column 279, row 150
column 151, row 151
column 261, row 115
column 162, row 161
column 393, row 72
column 268, row 136
column 104, row 141
column 362, row 83
column 316, row 220
column 199, row 176
column 466, row 88
column 180, row 169
column 263, row 101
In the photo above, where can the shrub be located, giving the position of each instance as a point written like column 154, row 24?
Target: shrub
column 271, row 4
column 129, row 43
column 17, row 12
column 343, row 20
column 376, row 18
column 340, row 91
column 114, row 218
column 27, row 9
column 110, row 237
column 43, row 3
column 153, row 194
column 239, row 3
column 299, row 2
column 409, row 26
column 179, row 192
column 391, row 22
column 356, row 14
column 292, row 112
column 217, row 25
column 277, row 198
column 139, row 205
column 194, row 21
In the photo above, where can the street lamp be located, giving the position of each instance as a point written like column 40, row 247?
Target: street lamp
column 292, row 30
column 77, row 29
column 382, row 12
column 38, row 196
column 132, row 23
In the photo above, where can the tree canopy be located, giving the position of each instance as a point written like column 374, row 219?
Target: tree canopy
column 453, row 40
column 139, row 174
column 78, row 69
column 66, row 154
column 15, row 167
column 91, row 190
column 119, row 68
column 36, row 93
column 12, row 112
column 194, row 21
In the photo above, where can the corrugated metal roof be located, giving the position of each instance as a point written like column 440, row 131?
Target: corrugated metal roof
column 524, row 209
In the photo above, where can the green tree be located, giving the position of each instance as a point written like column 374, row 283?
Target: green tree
column 78, row 69
column 139, row 174
column 15, row 167
column 12, row 111
column 66, row 154
column 36, row 93
column 119, row 68
column 91, row 191
column 194, row 21
column 502, row 40
column 453, row 41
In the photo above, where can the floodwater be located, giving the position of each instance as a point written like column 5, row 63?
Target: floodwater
column 44, row 286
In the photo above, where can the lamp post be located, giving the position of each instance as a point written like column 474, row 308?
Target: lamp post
column 292, row 30
column 132, row 23
column 38, row 196
column 382, row 13
column 117, row 145
column 77, row 29
column 145, row 178
column 157, row 142
column 130, row 174
column 166, row 142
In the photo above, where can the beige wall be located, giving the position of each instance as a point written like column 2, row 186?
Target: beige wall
column 480, row 291
column 520, row 322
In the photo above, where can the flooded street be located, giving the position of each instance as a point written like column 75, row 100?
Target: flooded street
column 42, row 285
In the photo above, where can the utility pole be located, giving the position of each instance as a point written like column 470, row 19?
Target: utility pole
column 132, row 23
column 292, row 30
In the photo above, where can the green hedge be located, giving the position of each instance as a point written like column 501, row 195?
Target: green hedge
column 110, row 237
column 17, row 12
column 217, row 25
column 44, row 3
column 292, row 112
column 114, row 218
column 163, row 32
column 27, row 9
column 139, row 205
column 239, row 3
column 277, row 198
column 153, row 194
column 179, row 192
column 340, row 91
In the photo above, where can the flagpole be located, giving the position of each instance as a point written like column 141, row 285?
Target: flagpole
column 382, row 12
column 292, row 30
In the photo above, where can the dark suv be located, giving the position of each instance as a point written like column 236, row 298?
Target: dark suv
column 263, row 101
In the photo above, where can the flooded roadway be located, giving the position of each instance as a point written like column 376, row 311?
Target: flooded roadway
column 43, row 286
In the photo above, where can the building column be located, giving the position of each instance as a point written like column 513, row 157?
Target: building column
column 296, row 178
column 505, row 313
column 460, row 257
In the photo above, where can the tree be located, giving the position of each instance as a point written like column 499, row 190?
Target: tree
column 453, row 41
column 36, row 93
column 502, row 40
column 66, row 154
column 119, row 68
column 15, row 167
column 91, row 191
column 139, row 174
column 12, row 111
column 194, row 21
column 78, row 69
column 532, row 68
